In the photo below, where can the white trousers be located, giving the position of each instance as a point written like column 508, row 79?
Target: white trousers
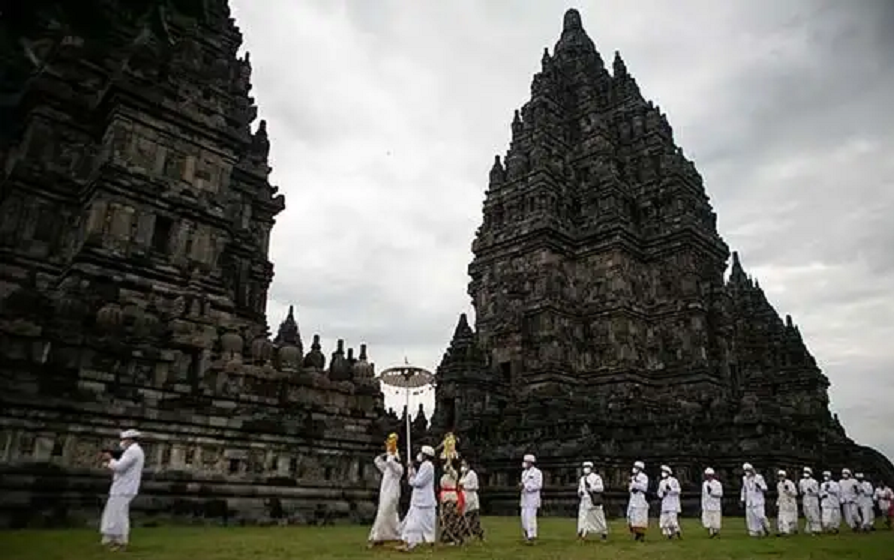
column 831, row 518
column 812, row 521
column 529, row 522
column 851, row 514
column 115, row 523
column 867, row 513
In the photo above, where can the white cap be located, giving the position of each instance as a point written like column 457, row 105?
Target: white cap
column 665, row 468
column 845, row 471
column 639, row 465
column 529, row 459
column 747, row 467
column 588, row 464
column 808, row 470
column 131, row 434
column 827, row 473
column 709, row 471
column 858, row 475
column 428, row 450
column 780, row 472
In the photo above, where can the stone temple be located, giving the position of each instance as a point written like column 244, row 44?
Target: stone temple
column 605, row 329
column 135, row 215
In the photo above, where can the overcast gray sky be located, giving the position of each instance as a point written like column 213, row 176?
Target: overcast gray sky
column 385, row 115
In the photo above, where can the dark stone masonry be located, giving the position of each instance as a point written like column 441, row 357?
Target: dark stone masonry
column 604, row 327
column 135, row 215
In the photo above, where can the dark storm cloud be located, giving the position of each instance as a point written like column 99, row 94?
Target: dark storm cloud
column 384, row 117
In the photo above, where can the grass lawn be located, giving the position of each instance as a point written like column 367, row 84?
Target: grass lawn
column 557, row 542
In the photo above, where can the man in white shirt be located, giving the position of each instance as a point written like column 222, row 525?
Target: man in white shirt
column 530, row 485
column 637, row 506
column 590, row 515
column 669, row 492
column 127, row 472
column 810, row 501
column 752, row 497
column 865, row 493
column 712, row 493
column 830, row 504
column 787, row 505
column 849, row 492
column 884, row 496
column 420, row 524
column 470, row 486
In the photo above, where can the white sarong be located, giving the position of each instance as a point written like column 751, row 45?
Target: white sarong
column 419, row 526
column 115, row 523
column 756, row 520
column 712, row 519
column 638, row 517
column 668, row 523
column 387, row 526
column 591, row 519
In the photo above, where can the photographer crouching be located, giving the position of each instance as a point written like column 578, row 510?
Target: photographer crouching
column 126, row 465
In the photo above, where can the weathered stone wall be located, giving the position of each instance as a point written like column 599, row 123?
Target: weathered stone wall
column 135, row 219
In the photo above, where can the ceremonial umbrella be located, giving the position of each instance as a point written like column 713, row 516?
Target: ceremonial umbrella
column 407, row 377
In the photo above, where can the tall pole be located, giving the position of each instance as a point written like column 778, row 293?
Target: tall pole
column 407, row 404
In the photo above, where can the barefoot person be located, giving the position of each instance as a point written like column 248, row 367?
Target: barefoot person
column 127, row 471
column 386, row 527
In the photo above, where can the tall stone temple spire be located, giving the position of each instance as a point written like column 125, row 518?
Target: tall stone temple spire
column 604, row 324
column 135, row 220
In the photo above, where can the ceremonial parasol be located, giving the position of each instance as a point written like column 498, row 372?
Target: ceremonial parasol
column 407, row 377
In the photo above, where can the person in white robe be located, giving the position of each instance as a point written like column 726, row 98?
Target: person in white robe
column 848, row 495
column 127, row 473
column 786, row 504
column 530, row 485
column 752, row 497
column 472, row 509
column 884, row 497
column 637, row 506
column 590, row 514
column 865, row 502
column 386, row 527
column 669, row 492
column 420, row 523
column 830, row 504
column 810, row 502
column 712, row 495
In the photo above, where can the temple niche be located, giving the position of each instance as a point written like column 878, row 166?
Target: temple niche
column 608, row 323
column 135, row 218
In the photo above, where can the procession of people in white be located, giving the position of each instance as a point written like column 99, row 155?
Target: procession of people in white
column 822, row 503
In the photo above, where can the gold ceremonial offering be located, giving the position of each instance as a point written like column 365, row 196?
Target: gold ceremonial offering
column 448, row 447
column 391, row 444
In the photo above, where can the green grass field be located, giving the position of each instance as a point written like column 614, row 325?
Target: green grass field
column 557, row 541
